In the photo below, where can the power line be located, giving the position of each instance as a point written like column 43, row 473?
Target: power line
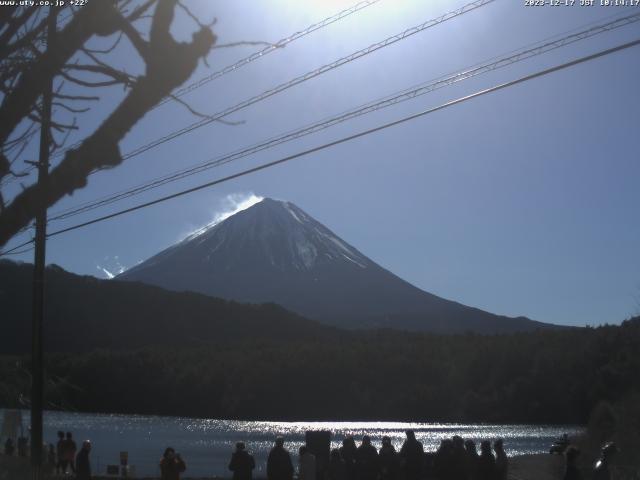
column 14, row 250
column 283, row 42
column 305, row 77
column 408, row 118
column 264, row 166
column 308, row 76
column 271, row 48
column 260, row 54
column 516, row 56
column 20, row 252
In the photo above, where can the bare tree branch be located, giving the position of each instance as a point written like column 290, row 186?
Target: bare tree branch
column 77, row 98
column 196, row 19
column 118, row 76
column 94, row 18
column 168, row 65
column 105, row 50
column 14, row 24
column 70, row 109
column 204, row 115
column 23, row 41
column 88, row 84
column 140, row 11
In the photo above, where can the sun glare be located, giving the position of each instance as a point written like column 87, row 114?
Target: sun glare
column 375, row 13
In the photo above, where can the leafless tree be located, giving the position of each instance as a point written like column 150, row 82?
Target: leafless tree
column 27, row 65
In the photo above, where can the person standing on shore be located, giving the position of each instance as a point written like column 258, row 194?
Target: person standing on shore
column 471, row 461
column 83, row 465
column 171, row 465
column 443, row 461
column 348, row 454
column 367, row 460
column 279, row 466
column 70, row 449
column 242, row 463
column 486, row 462
column 8, row 447
column 502, row 463
column 337, row 468
column 412, row 456
column 388, row 460
column 61, row 466
column 307, row 470
column 571, row 471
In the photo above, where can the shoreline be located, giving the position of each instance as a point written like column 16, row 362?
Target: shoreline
column 26, row 412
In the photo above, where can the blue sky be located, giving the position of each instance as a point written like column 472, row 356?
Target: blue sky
column 522, row 202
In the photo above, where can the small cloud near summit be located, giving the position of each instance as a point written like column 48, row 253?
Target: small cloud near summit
column 230, row 205
column 237, row 202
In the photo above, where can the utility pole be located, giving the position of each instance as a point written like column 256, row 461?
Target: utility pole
column 37, row 357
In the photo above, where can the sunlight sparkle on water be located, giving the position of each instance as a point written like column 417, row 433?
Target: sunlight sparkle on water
column 206, row 444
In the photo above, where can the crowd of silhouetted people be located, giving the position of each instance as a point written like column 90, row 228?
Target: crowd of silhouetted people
column 455, row 459
column 63, row 458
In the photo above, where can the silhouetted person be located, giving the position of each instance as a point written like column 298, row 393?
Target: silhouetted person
column 602, row 468
column 471, row 461
column 83, row 465
column 411, row 456
column 443, row 460
column 9, row 447
column 337, row 468
column 388, row 460
column 70, row 449
column 428, row 462
column 571, row 471
column 457, row 468
column 502, row 463
column 61, row 465
column 279, row 466
column 242, row 463
column 171, row 465
column 366, row 460
column 348, row 454
column 486, row 462
column 307, row 468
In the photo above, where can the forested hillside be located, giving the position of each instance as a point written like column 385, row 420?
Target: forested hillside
column 84, row 313
column 549, row 376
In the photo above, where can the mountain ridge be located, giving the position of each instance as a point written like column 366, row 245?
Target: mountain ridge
column 275, row 252
column 83, row 313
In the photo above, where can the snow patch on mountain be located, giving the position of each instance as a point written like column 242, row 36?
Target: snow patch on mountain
column 287, row 206
column 111, row 267
column 306, row 252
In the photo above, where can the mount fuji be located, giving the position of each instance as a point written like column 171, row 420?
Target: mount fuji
column 275, row 252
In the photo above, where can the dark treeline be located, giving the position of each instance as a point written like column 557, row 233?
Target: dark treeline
column 84, row 313
column 554, row 376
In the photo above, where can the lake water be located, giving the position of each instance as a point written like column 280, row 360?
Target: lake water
column 206, row 445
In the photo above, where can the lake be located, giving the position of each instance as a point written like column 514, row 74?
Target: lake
column 206, row 444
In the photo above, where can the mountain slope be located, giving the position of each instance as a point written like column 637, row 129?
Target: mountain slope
column 84, row 313
column 275, row 252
